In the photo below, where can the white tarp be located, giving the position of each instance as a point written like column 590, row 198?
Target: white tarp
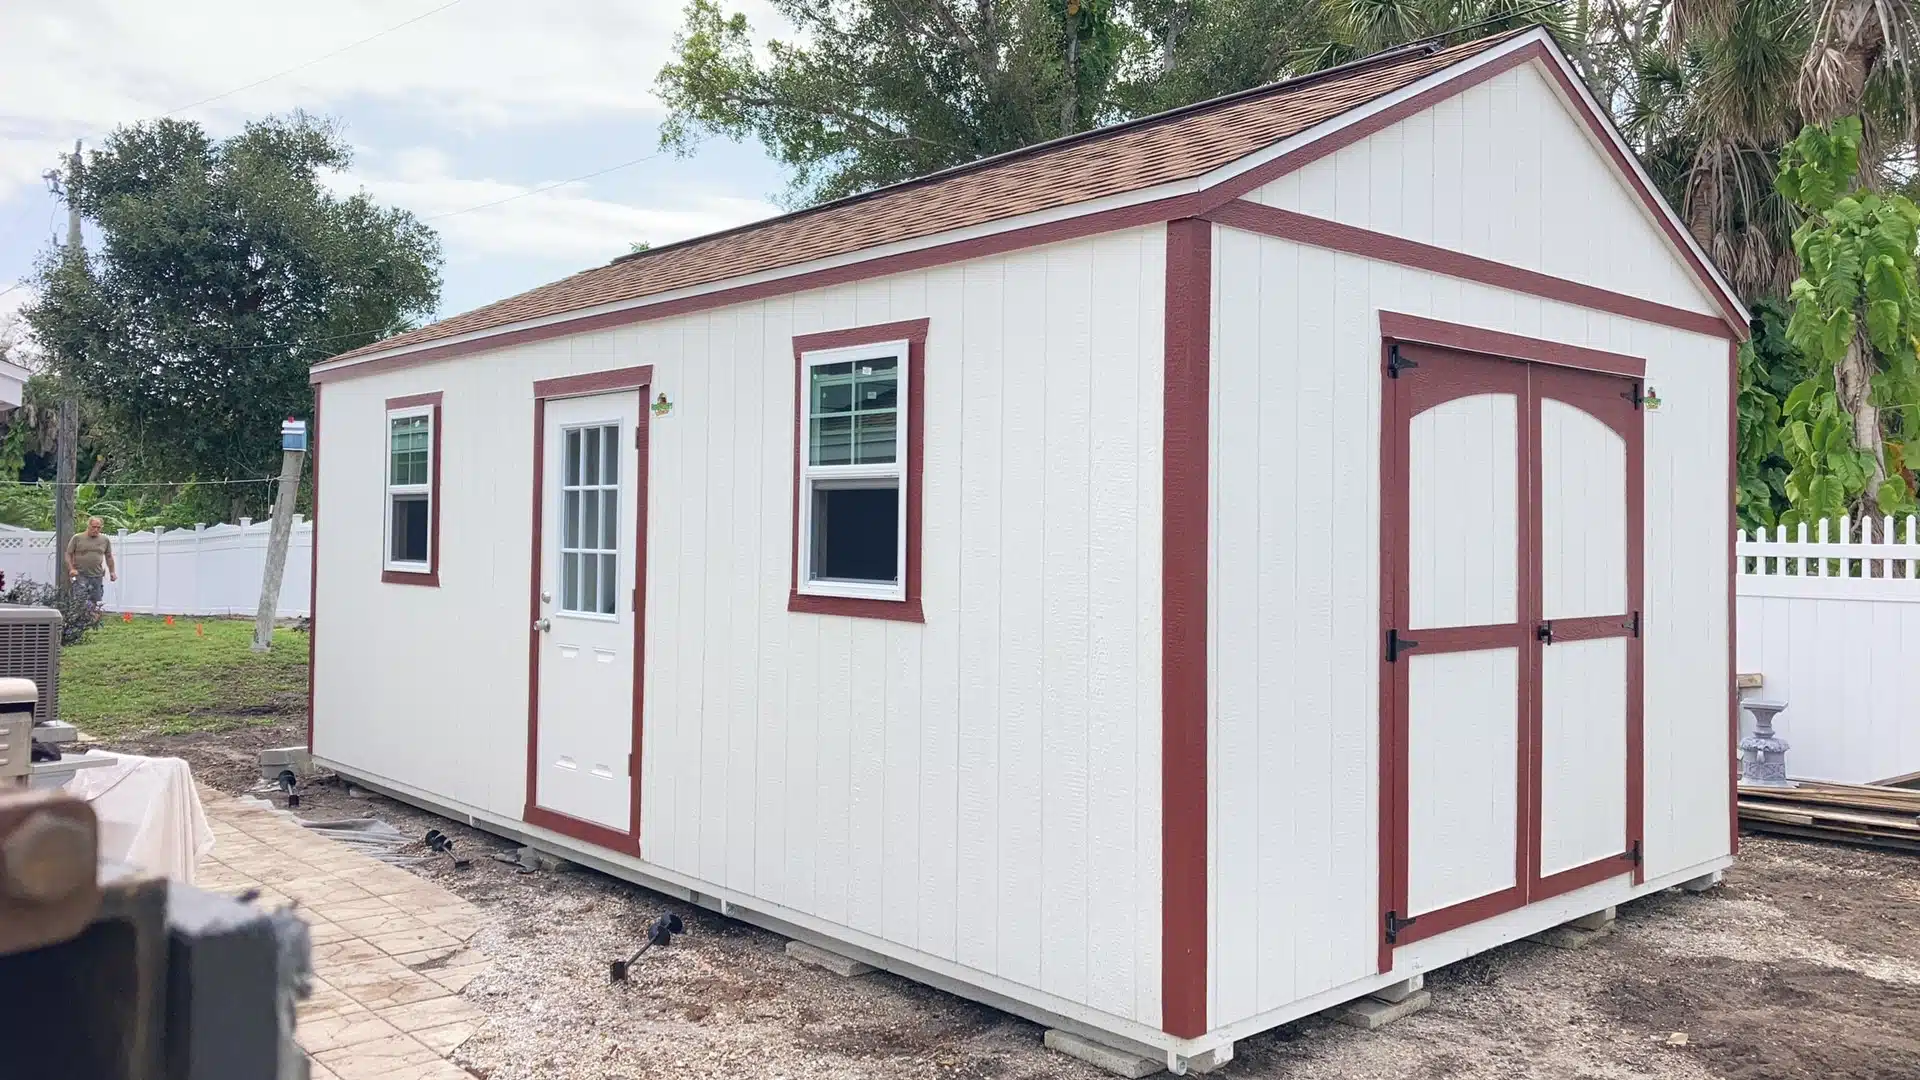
column 149, row 812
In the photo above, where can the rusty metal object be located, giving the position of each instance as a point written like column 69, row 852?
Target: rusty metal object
column 49, row 847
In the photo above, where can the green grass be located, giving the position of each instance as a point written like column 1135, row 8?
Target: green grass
column 146, row 676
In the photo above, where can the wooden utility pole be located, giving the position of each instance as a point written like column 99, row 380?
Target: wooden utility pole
column 66, row 434
column 293, row 454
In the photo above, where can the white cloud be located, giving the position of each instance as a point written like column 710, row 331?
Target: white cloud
column 562, row 223
column 84, row 66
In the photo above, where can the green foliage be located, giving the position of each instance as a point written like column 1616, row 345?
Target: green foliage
column 77, row 613
column 871, row 92
column 224, row 268
column 30, row 506
column 1857, row 291
column 1770, row 368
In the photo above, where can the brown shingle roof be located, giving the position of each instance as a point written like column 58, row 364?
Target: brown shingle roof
column 1170, row 147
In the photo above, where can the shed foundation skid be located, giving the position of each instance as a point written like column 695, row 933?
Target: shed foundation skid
column 1109, row 1032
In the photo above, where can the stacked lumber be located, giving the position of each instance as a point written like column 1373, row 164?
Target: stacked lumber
column 1886, row 817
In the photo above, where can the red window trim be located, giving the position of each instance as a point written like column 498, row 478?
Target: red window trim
column 914, row 332
column 431, row 578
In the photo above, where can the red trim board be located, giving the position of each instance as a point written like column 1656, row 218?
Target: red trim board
column 1335, row 236
column 1733, row 599
column 634, row 379
column 914, row 333
column 313, row 565
column 431, row 578
column 1052, row 232
column 1413, row 328
column 1183, row 604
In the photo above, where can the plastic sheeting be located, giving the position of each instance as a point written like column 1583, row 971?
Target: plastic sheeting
column 150, row 814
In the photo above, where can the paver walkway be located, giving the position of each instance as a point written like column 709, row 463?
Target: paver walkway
column 390, row 953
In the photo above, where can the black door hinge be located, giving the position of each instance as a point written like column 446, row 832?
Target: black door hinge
column 1395, row 924
column 1633, row 624
column 1397, row 363
column 1544, row 632
column 1633, row 854
column 1397, row 645
column 1634, row 395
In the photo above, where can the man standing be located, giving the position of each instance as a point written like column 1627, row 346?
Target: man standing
column 90, row 562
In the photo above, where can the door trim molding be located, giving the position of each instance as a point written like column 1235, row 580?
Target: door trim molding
column 1414, row 328
column 617, row 380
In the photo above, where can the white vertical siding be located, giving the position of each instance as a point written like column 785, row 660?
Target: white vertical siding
column 1294, row 597
column 1506, row 172
column 983, row 788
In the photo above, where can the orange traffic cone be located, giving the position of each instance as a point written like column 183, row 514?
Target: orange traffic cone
column 199, row 631
column 126, row 616
column 169, row 620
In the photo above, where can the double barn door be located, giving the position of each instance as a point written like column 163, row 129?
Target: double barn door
column 1511, row 555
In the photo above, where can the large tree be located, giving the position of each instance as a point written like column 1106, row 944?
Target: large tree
column 223, row 269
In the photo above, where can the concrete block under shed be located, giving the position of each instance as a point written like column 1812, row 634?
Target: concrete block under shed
column 1372, row 1014
column 1117, row 1062
column 296, row 758
column 814, row 956
column 1579, row 933
column 1394, row 993
column 1703, row 882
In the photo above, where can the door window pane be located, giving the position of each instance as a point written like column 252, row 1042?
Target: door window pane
column 590, row 520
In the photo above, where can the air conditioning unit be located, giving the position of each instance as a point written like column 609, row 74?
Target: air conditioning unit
column 30, row 649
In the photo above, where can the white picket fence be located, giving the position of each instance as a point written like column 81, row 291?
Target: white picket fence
column 1830, row 619
column 205, row 570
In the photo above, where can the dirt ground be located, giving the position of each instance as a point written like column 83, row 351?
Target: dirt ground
column 1805, row 964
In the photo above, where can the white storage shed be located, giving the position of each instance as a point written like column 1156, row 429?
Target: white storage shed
column 1162, row 582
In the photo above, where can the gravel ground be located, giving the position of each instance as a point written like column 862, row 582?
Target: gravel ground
column 1804, row 965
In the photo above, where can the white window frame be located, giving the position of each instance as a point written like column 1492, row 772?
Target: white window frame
column 392, row 489
column 897, row 469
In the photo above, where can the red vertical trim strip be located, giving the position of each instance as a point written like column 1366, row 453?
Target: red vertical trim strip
column 1636, row 645
column 1392, row 826
column 533, row 605
column 1183, row 602
column 1733, row 612
column 642, row 436
column 313, row 551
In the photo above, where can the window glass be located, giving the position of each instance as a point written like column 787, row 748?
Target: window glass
column 854, row 405
column 409, row 449
column 856, row 532
column 590, row 520
column 409, row 529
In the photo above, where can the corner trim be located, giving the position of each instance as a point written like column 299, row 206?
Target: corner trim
column 313, row 566
column 1183, row 611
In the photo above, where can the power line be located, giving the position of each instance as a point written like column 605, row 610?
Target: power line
column 315, row 60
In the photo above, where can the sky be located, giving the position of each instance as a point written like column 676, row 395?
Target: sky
column 457, row 110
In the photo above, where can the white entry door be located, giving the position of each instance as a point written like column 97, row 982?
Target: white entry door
column 591, row 492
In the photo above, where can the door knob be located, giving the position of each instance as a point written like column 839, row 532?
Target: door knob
column 543, row 625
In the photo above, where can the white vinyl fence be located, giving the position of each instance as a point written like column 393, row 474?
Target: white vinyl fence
column 205, row 570
column 1830, row 619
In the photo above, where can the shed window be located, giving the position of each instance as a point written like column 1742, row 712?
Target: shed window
column 412, row 477
column 853, row 497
